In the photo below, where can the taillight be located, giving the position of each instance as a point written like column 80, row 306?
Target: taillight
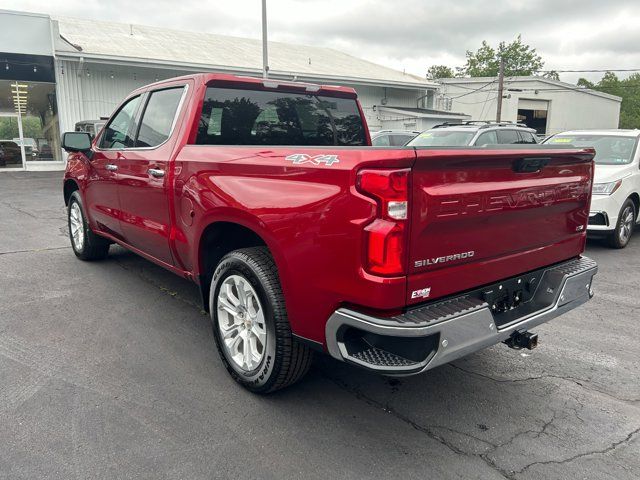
column 386, row 235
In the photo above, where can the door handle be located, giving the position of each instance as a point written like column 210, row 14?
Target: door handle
column 156, row 172
column 111, row 167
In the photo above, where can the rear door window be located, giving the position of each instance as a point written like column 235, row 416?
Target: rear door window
column 527, row 137
column 254, row 117
column 507, row 137
column 400, row 140
column 487, row 138
column 118, row 134
column 381, row 141
column 158, row 117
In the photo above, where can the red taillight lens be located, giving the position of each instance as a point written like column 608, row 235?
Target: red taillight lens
column 385, row 236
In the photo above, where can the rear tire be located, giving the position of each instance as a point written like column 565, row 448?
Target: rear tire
column 625, row 225
column 248, row 312
column 86, row 245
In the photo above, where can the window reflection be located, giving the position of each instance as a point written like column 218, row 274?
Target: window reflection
column 34, row 103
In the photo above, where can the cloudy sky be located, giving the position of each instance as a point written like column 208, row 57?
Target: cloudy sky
column 403, row 34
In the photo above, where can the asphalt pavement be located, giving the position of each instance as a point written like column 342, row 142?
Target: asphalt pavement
column 109, row 370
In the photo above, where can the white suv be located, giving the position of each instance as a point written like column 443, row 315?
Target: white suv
column 475, row 134
column 616, row 189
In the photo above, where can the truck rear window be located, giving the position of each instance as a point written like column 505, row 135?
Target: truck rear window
column 253, row 117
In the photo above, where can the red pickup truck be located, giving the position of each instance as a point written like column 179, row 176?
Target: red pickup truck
column 303, row 237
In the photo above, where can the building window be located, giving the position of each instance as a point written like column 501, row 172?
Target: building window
column 33, row 104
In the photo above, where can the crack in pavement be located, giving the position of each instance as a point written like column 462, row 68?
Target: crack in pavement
column 34, row 250
column 32, row 215
column 19, row 210
column 427, row 430
column 610, row 448
column 578, row 381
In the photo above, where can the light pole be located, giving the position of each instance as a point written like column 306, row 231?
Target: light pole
column 265, row 54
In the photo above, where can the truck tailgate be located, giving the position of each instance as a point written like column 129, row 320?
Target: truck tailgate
column 478, row 216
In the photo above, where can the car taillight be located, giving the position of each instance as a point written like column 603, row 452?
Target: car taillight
column 386, row 235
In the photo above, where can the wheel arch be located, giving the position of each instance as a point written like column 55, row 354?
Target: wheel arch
column 635, row 198
column 69, row 187
column 217, row 239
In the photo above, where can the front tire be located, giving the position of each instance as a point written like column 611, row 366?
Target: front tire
column 625, row 225
column 250, row 323
column 86, row 244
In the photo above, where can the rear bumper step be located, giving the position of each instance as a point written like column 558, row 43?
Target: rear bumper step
column 445, row 330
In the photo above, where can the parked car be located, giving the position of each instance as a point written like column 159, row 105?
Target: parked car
column 30, row 146
column 478, row 134
column 46, row 153
column 392, row 138
column 12, row 154
column 616, row 190
column 92, row 127
column 395, row 260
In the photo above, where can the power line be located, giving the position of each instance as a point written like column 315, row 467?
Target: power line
column 481, row 101
column 475, row 89
column 594, row 70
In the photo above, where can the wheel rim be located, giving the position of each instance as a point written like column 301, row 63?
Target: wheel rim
column 76, row 225
column 626, row 225
column 241, row 323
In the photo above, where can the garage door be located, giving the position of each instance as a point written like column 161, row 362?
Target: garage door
column 526, row 104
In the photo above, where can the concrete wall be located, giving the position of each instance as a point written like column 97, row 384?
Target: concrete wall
column 568, row 109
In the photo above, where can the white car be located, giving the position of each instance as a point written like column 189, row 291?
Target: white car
column 616, row 190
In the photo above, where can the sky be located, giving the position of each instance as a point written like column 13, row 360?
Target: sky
column 407, row 35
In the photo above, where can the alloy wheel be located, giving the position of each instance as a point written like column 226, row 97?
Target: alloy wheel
column 241, row 323
column 626, row 225
column 76, row 224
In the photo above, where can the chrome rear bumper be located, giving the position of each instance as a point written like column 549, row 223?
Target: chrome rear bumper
column 446, row 330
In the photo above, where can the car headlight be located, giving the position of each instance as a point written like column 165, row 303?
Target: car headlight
column 606, row 188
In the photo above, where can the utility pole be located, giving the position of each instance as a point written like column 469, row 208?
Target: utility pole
column 265, row 55
column 500, row 90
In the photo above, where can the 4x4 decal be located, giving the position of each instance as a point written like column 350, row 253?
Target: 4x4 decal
column 299, row 158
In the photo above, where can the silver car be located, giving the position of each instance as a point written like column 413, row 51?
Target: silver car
column 475, row 134
column 392, row 138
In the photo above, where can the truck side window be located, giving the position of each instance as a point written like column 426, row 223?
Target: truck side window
column 158, row 117
column 117, row 132
column 255, row 117
column 487, row 138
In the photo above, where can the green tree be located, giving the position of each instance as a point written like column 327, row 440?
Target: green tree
column 552, row 75
column 439, row 71
column 519, row 59
column 628, row 89
column 583, row 82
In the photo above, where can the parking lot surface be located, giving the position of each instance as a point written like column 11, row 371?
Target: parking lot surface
column 109, row 370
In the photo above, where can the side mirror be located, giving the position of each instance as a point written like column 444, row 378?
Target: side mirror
column 76, row 142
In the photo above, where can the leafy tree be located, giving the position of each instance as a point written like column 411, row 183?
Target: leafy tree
column 551, row 75
column 439, row 71
column 583, row 82
column 628, row 89
column 519, row 59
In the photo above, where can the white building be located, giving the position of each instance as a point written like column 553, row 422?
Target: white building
column 55, row 72
column 549, row 106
